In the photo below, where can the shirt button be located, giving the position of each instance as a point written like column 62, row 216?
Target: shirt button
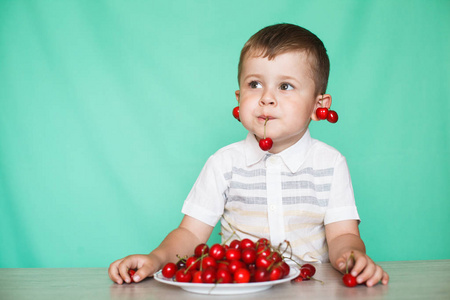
column 273, row 207
column 273, row 160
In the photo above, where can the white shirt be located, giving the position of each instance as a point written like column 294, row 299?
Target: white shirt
column 286, row 196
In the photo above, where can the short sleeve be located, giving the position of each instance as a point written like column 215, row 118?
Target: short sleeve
column 341, row 204
column 205, row 201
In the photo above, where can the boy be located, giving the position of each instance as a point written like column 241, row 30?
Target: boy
column 299, row 191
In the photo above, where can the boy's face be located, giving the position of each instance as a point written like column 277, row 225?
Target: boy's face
column 282, row 90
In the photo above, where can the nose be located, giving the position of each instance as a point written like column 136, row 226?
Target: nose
column 267, row 99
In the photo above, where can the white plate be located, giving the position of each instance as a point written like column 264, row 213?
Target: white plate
column 227, row 288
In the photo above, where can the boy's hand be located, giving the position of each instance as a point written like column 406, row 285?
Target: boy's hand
column 145, row 265
column 363, row 268
column 183, row 239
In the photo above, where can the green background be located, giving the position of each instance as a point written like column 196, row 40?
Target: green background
column 109, row 109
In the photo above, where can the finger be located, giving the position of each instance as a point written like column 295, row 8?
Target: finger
column 367, row 273
column 124, row 266
column 143, row 272
column 361, row 262
column 340, row 263
column 376, row 277
column 344, row 263
column 385, row 278
column 113, row 272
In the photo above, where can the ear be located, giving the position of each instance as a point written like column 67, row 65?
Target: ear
column 237, row 93
column 321, row 101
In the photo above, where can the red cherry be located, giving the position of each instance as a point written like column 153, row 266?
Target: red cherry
column 276, row 273
column 192, row 263
column 252, row 269
column 169, row 270
column 263, row 262
column 322, row 113
column 247, row 243
column 349, row 280
column 265, row 144
column 236, row 244
column 208, row 262
column 275, row 257
column 261, row 274
column 286, row 268
column 217, row 252
column 332, row 116
column 233, row 254
column 263, row 241
column 223, row 276
column 201, row 249
column 222, row 264
column 242, row 275
column 236, row 113
column 209, row 275
column 311, row 268
column 305, row 273
column 263, row 250
column 197, row 277
column 234, row 265
column 248, row 255
column 131, row 272
column 183, row 276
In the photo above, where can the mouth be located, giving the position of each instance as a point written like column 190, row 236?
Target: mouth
column 264, row 118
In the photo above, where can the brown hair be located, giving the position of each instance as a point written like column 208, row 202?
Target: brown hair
column 281, row 38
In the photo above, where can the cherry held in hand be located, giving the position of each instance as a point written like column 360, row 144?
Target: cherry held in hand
column 348, row 279
column 131, row 272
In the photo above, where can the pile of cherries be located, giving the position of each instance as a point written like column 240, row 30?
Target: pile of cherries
column 239, row 262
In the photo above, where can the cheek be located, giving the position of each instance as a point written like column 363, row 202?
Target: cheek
column 245, row 115
column 245, row 109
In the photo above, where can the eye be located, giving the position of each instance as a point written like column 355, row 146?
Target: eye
column 286, row 87
column 255, row 85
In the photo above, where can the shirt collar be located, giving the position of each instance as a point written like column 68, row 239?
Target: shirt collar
column 293, row 157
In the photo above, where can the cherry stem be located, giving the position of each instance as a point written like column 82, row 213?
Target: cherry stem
column 196, row 261
column 182, row 258
column 267, row 119
column 232, row 234
column 312, row 278
column 288, row 246
column 352, row 256
column 293, row 260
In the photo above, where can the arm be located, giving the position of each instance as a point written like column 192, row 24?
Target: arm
column 343, row 238
column 182, row 241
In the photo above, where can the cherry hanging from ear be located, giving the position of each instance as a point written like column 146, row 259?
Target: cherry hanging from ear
column 332, row 116
column 322, row 113
column 236, row 113
column 266, row 143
